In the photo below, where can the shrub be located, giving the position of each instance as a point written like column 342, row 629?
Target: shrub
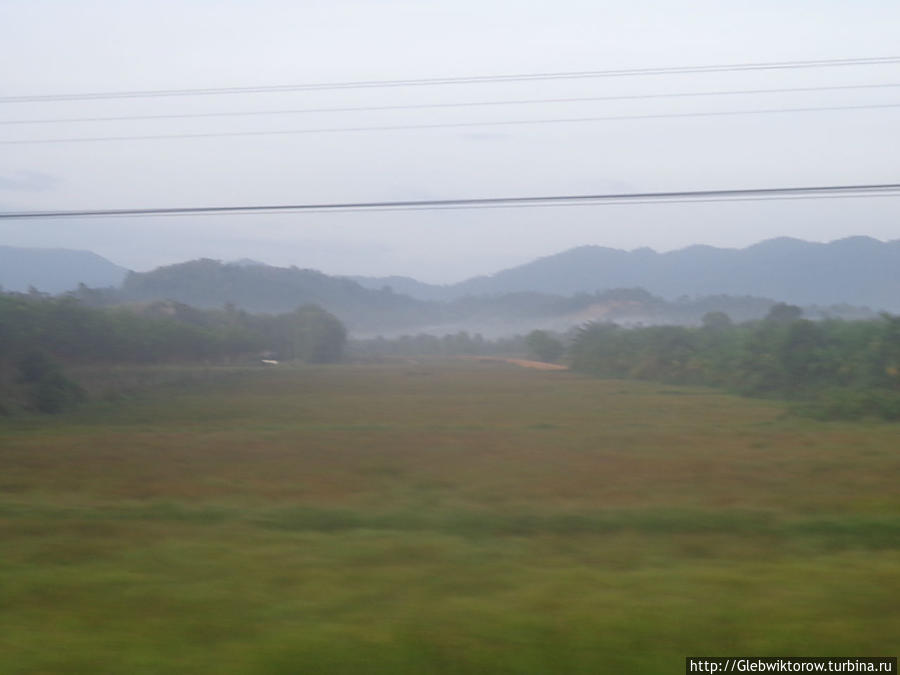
column 48, row 389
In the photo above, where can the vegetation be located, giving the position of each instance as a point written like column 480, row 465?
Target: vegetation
column 39, row 334
column 544, row 347
column 838, row 369
column 427, row 518
column 44, row 386
column 254, row 287
column 257, row 288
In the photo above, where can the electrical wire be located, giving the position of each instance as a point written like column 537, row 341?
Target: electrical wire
column 440, row 125
column 464, row 104
column 478, row 79
column 742, row 194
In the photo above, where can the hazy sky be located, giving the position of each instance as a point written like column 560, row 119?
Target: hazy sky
column 75, row 46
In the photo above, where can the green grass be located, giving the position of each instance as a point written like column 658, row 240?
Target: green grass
column 439, row 519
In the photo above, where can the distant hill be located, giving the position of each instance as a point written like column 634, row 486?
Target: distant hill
column 409, row 286
column 557, row 292
column 55, row 270
column 266, row 289
column 857, row 271
column 256, row 287
column 262, row 288
column 588, row 283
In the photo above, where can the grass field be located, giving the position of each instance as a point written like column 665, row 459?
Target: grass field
column 440, row 518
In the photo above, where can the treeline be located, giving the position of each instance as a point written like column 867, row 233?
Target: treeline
column 162, row 331
column 834, row 369
column 40, row 334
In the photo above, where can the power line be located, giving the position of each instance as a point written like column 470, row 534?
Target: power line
column 465, row 104
column 478, row 79
column 809, row 192
column 443, row 125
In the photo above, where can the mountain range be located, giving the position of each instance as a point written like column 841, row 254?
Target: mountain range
column 856, row 270
column 55, row 270
column 556, row 291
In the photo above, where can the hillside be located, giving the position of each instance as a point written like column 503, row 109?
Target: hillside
column 367, row 312
column 556, row 292
column 409, row 286
column 55, row 270
column 265, row 289
column 858, row 270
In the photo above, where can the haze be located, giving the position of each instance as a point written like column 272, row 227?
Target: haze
column 55, row 47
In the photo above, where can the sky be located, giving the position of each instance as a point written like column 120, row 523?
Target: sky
column 74, row 47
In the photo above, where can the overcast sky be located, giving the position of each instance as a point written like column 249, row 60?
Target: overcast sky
column 76, row 46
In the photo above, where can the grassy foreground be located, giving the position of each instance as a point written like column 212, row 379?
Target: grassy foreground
column 429, row 518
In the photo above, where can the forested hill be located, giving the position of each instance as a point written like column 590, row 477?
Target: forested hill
column 859, row 271
column 55, row 270
column 260, row 288
column 264, row 289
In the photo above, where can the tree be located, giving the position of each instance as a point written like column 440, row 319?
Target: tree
column 543, row 346
column 48, row 390
column 309, row 334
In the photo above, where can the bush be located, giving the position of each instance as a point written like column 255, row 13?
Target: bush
column 48, row 390
column 543, row 346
